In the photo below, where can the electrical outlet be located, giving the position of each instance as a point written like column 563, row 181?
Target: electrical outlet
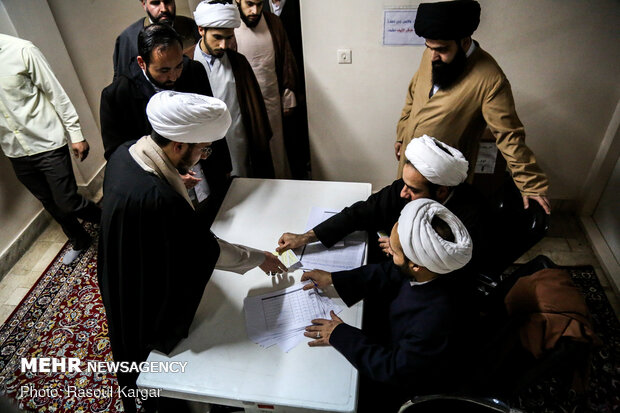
column 344, row 56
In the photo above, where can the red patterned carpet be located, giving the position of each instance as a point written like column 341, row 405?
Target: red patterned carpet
column 61, row 317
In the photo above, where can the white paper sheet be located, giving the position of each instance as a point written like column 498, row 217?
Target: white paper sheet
column 487, row 157
column 318, row 215
column 398, row 28
column 202, row 188
column 345, row 255
column 280, row 317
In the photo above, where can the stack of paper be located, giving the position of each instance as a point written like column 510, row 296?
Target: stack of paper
column 280, row 317
column 344, row 255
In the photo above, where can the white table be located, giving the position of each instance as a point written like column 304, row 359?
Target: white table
column 224, row 366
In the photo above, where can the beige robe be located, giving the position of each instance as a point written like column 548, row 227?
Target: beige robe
column 459, row 115
column 257, row 46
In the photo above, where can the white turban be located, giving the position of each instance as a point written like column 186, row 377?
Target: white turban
column 188, row 117
column 427, row 156
column 221, row 16
column 424, row 246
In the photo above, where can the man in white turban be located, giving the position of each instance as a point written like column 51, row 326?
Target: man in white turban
column 415, row 313
column 155, row 253
column 233, row 81
column 433, row 170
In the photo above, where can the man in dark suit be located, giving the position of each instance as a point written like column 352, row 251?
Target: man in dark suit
column 157, row 11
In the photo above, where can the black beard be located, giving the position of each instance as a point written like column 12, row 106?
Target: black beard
column 446, row 74
column 170, row 20
column 249, row 23
column 164, row 86
column 184, row 164
column 209, row 50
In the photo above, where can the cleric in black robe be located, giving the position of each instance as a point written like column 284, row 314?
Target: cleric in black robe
column 434, row 170
column 416, row 344
column 155, row 253
column 235, row 83
column 123, row 103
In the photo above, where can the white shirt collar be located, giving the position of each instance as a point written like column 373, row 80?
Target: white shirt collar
column 157, row 89
column 415, row 283
column 277, row 9
column 471, row 49
column 210, row 59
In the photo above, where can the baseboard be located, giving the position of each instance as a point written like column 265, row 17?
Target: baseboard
column 23, row 242
column 93, row 189
column 563, row 205
column 611, row 268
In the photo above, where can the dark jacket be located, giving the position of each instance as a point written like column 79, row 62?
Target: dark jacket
column 126, row 46
column 382, row 209
column 416, row 343
column 254, row 116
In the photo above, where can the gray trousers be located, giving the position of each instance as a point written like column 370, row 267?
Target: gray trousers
column 49, row 177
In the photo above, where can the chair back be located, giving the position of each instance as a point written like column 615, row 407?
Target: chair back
column 451, row 403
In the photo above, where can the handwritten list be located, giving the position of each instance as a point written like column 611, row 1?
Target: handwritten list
column 398, row 28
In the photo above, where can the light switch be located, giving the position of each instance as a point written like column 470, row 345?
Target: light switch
column 344, row 56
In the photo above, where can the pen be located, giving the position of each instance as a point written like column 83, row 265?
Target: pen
column 316, row 286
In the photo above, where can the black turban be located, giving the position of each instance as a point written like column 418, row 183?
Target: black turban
column 447, row 20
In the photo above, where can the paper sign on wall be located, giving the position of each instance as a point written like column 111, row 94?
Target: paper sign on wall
column 398, row 28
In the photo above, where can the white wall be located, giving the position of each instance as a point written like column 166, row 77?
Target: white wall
column 562, row 59
column 17, row 206
column 606, row 214
column 353, row 108
column 77, row 38
column 33, row 20
column 89, row 30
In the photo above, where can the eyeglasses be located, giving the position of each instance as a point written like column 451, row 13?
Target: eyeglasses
column 206, row 151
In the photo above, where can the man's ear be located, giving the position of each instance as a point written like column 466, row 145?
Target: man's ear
column 201, row 31
column 442, row 193
column 177, row 147
column 413, row 266
column 141, row 63
column 465, row 43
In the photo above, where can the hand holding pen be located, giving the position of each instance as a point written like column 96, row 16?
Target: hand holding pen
column 319, row 278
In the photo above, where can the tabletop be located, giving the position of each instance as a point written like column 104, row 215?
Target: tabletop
column 223, row 365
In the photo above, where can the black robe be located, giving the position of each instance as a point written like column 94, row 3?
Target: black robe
column 155, row 258
column 414, row 345
column 297, row 148
column 296, row 125
column 123, row 118
column 382, row 209
column 253, row 115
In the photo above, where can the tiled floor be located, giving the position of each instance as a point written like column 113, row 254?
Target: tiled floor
column 16, row 284
column 565, row 244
